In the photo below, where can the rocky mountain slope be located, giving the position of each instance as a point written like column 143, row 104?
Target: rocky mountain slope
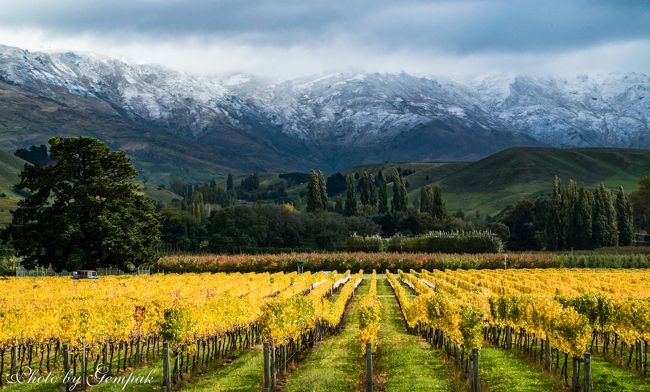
column 199, row 127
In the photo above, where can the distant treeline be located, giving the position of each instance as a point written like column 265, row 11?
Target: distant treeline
column 342, row 261
column 572, row 218
column 214, row 218
column 436, row 241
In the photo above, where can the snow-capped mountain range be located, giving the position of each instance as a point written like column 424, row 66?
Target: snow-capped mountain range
column 329, row 121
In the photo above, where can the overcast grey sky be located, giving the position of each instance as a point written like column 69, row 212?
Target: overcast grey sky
column 293, row 37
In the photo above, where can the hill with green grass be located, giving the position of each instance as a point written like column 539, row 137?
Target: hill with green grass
column 495, row 182
column 10, row 168
column 499, row 180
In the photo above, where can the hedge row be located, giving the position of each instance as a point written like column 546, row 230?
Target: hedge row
column 381, row 261
column 436, row 241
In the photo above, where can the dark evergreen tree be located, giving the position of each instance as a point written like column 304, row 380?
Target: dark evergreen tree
column 570, row 200
column 372, row 189
column 84, row 211
column 583, row 219
column 338, row 206
column 525, row 224
column 554, row 220
column 314, row 201
column 399, row 193
column 425, row 202
column 36, row 155
column 383, row 194
column 605, row 231
column 230, row 183
column 364, row 188
column 438, row 209
column 624, row 218
column 351, row 198
column 335, row 184
column 250, row 183
column 322, row 190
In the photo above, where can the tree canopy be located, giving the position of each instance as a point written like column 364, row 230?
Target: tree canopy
column 84, row 211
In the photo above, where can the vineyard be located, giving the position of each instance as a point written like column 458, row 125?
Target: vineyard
column 571, row 329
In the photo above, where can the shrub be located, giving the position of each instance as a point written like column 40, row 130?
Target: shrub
column 448, row 242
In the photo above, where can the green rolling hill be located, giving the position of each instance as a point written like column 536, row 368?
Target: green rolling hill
column 495, row 182
column 10, row 168
column 499, row 180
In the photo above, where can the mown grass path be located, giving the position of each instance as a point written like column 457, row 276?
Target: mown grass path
column 243, row 374
column 406, row 362
column 336, row 363
column 502, row 370
column 609, row 377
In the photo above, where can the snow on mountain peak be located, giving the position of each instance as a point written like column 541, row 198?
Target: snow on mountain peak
column 349, row 108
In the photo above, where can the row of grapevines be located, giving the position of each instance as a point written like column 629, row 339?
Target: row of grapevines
column 369, row 315
column 458, row 317
column 128, row 317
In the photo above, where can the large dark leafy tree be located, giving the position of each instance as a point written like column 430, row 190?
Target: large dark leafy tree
column 84, row 211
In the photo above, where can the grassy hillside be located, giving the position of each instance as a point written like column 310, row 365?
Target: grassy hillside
column 493, row 183
column 10, row 168
column 501, row 179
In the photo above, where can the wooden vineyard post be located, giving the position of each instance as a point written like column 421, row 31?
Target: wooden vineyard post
column 476, row 385
column 575, row 384
column 167, row 374
column 84, row 362
column 268, row 382
column 369, row 367
column 66, row 365
column 14, row 360
column 105, row 357
column 587, row 372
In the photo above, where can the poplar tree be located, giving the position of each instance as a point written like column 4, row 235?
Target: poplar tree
column 364, row 188
column 383, row 194
column 554, row 217
column 372, row 190
column 583, row 219
column 351, row 198
column 570, row 200
column 624, row 218
column 425, row 202
column 605, row 231
column 314, row 201
column 322, row 190
column 399, row 193
column 229, row 183
column 438, row 209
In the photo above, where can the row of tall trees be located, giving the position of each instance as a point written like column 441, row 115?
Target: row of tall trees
column 572, row 218
column 431, row 202
column 372, row 194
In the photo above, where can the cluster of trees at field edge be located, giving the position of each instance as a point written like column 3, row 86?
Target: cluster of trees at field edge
column 572, row 218
column 324, row 225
